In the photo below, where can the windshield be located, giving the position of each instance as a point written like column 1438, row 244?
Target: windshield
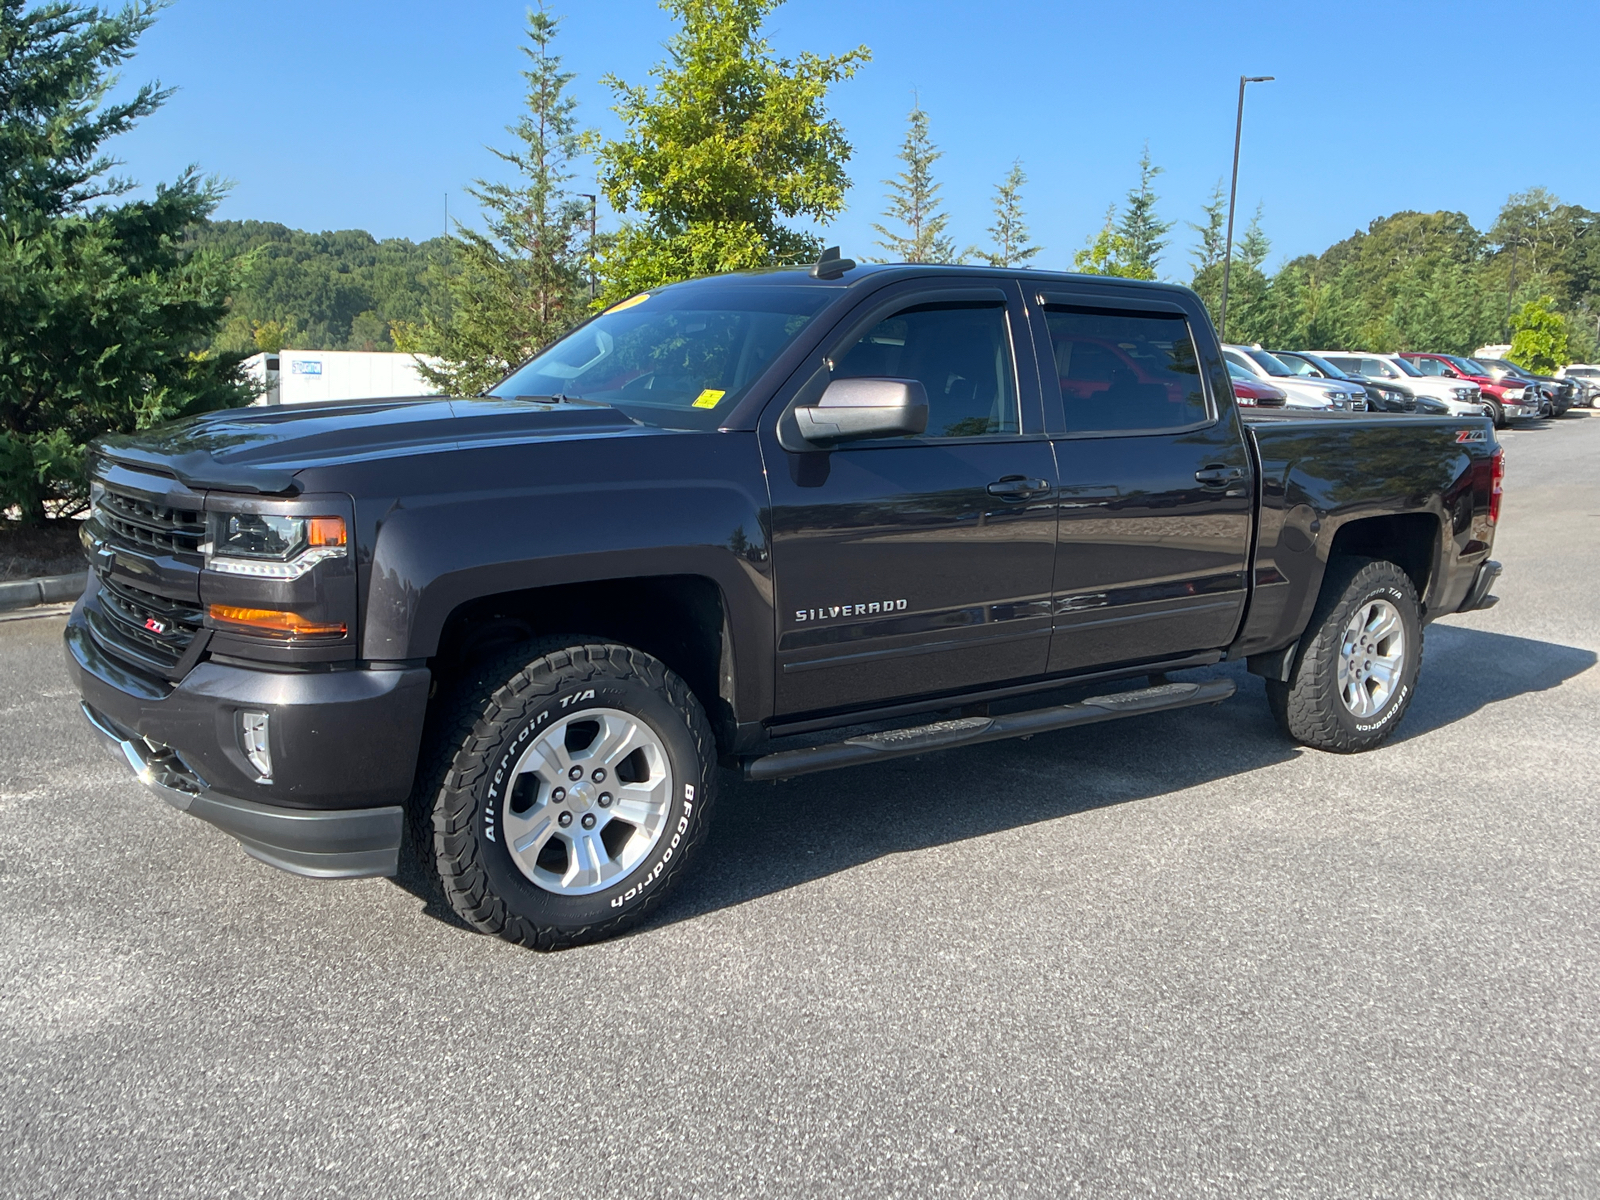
column 679, row 358
column 1467, row 366
column 1238, row 372
column 1326, row 367
column 1296, row 364
column 1405, row 365
column 1269, row 364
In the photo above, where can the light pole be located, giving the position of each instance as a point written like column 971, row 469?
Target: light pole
column 593, row 205
column 1233, row 192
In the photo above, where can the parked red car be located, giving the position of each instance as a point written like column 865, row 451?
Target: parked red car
column 1253, row 391
column 1507, row 395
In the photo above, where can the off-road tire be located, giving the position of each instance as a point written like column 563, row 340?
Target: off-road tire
column 1309, row 707
column 1497, row 414
column 482, row 728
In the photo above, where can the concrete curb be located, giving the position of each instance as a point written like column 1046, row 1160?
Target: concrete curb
column 47, row 589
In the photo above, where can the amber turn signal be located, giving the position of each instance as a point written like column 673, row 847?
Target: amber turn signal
column 269, row 622
column 325, row 531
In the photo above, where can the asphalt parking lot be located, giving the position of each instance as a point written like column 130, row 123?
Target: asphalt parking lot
column 1173, row 956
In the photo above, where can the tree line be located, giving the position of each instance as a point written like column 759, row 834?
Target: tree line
column 729, row 142
column 117, row 314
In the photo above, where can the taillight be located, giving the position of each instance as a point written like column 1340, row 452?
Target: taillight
column 1497, row 485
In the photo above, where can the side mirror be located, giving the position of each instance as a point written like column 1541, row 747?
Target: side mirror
column 864, row 408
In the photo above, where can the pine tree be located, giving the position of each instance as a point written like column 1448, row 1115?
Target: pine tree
column 104, row 306
column 914, row 200
column 1213, row 234
column 1141, row 229
column 731, row 142
column 1254, row 246
column 1012, row 244
column 1207, row 256
column 1252, row 315
column 519, row 284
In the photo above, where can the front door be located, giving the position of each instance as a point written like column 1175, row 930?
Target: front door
column 1156, row 488
column 918, row 565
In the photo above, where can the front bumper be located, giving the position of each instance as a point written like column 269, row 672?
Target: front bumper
column 1517, row 410
column 344, row 746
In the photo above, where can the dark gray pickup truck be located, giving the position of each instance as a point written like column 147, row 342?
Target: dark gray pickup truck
column 776, row 522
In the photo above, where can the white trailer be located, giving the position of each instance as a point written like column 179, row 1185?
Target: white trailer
column 322, row 376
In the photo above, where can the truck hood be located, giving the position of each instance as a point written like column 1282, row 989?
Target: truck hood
column 262, row 449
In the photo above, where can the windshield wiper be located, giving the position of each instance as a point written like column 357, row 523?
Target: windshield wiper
column 556, row 399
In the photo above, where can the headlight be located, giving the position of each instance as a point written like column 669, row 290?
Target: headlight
column 272, row 547
column 1514, row 393
column 1339, row 398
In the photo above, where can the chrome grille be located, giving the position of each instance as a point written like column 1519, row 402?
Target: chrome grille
column 139, row 524
column 149, row 630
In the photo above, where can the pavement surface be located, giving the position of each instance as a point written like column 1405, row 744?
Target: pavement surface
column 1172, row 956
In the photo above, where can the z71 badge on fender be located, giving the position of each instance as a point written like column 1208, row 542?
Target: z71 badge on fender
column 1471, row 435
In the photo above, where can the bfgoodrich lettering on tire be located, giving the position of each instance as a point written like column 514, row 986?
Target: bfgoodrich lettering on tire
column 569, row 785
column 1357, row 668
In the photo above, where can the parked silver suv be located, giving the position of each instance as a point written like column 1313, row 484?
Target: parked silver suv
column 1325, row 395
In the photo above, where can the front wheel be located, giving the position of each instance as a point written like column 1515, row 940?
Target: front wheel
column 1357, row 669
column 568, row 787
column 1496, row 413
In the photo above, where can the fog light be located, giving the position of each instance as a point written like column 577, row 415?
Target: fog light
column 257, row 748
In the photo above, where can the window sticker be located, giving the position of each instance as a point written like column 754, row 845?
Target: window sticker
column 629, row 303
column 708, row 398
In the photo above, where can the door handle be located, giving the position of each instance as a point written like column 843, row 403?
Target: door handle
column 1018, row 487
column 1219, row 476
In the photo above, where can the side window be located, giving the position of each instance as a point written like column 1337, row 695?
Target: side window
column 1428, row 366
column 1132, row 371
column 962, row 355
column 1378, row 369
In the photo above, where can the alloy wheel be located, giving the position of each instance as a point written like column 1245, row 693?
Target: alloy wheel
column 588, row 801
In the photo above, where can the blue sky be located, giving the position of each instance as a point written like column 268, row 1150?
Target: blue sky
column 363, row 114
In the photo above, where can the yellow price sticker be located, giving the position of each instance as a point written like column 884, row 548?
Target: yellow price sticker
column 708, row 398
column 628, row 303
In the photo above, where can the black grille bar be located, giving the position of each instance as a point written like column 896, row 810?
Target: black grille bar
column 150, row 630
column 139, row 524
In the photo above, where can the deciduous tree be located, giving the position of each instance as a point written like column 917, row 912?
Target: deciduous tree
column 730, row 143
column 1107, row 252
column 1539, row 337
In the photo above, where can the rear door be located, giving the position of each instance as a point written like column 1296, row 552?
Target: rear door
column 1156, row 481
column 912, row 566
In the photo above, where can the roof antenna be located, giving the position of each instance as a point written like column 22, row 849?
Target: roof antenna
column 830, row 265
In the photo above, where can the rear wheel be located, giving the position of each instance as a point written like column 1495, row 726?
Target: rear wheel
column 1357, row 668
column 568, row 786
